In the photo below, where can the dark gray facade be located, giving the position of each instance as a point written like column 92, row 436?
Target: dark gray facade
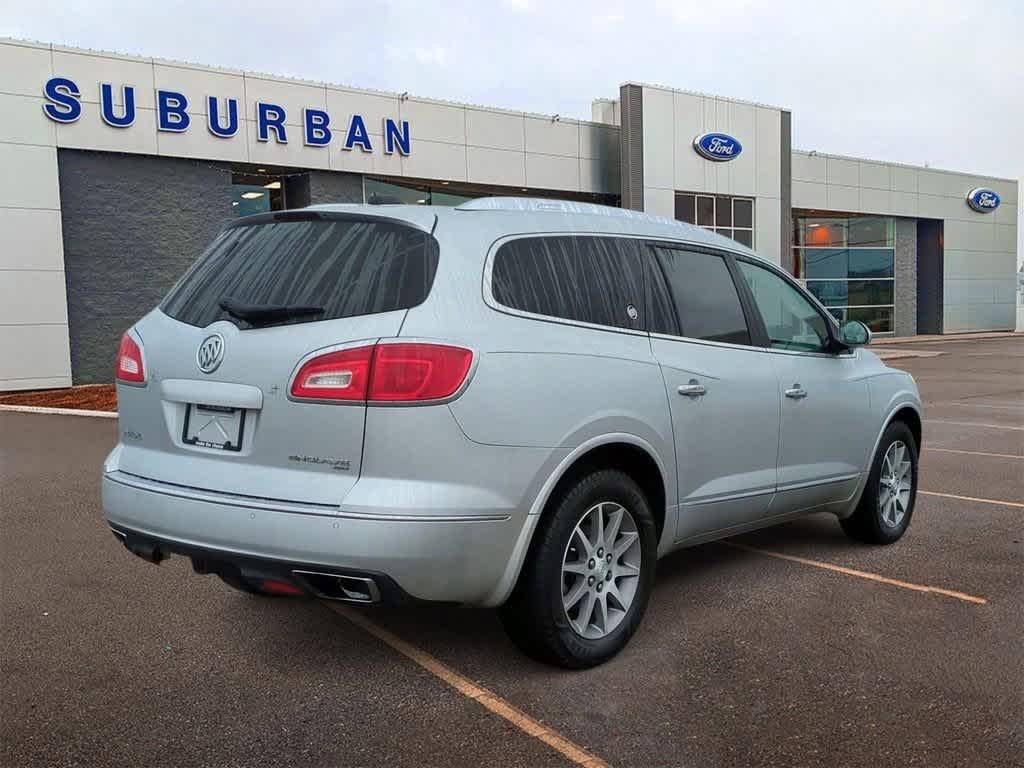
column 132, row 224
column 905, row 270
column 334, row 187
column 631, row 151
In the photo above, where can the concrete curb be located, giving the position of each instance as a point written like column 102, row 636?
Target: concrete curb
column 58, row 411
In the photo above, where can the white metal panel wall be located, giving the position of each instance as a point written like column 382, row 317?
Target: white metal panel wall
column 450, row 141
column 671, row 121
column 980, row 249
column 34, row 348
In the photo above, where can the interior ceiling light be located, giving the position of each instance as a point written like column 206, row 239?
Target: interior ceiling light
column 272, row 185
column 261, row 170
column 252, row 195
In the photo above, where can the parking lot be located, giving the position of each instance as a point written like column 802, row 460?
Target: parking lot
column 789, row 646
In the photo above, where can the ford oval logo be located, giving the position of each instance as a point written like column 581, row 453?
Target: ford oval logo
column 983, row 200
column 717, row 146
column 210, row 353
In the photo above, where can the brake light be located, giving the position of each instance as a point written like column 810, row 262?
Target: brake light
column 339, row 375
column 129, row 362
column 407, row 372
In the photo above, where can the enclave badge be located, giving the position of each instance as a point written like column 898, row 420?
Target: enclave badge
column 210, row 353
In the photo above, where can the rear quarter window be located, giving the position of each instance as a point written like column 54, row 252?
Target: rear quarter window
column 595, row 280
column 349, row 267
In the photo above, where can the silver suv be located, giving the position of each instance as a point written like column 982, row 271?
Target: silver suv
column 515, row 403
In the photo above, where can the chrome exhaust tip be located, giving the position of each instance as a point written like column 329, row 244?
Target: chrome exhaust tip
column 333, row 586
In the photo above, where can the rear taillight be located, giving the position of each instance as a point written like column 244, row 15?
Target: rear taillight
column 129, row 362
column 339, row 375
column 385, row 373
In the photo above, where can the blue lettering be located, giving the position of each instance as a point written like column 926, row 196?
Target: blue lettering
column 213, row 118
column 170, row 111
column 316, row 121
column 107, row 106
column 357, row 134
column 392, row 137
column 62, row 100
column 270, row 116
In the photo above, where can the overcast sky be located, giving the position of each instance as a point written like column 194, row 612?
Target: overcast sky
column 938, row 81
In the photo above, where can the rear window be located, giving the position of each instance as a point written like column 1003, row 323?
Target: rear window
column 589, row 279
column 348, row 267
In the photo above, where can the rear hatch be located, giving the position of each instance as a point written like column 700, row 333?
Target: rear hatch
column 219, row 355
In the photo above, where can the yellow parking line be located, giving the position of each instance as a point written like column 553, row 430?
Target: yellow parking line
column 860, row 574
column 974, row 498
column 976, row 453
column 469, row 689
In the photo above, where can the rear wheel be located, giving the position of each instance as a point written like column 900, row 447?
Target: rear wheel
column 583, row 591
column 887, row 504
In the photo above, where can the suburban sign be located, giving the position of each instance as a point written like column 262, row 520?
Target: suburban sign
column 983, row 200
column 63, row 105
column 717, row 146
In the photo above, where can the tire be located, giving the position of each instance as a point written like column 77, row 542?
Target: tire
column 535, row 617
column 875, row 520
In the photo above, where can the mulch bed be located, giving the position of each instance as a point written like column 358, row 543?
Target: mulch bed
column 90, row 397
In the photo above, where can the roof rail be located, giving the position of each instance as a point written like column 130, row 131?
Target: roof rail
column 543, row 205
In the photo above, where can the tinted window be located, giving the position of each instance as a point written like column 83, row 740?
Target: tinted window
column 789, row 317
column 589, row 279
column 843, row 263
column 706, row 301
column 347, row 267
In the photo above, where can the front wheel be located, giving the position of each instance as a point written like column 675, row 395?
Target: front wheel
column 885, row 508
column 584, row 589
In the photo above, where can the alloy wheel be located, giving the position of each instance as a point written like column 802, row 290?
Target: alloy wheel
column 895, row 484
column 601, row 570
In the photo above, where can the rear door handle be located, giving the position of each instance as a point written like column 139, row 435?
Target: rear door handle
column 693, row 389
column 796, row 392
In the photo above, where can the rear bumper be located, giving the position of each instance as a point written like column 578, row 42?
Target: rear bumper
column 451, row 559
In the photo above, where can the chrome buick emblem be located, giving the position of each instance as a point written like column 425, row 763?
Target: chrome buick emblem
column 210, row 353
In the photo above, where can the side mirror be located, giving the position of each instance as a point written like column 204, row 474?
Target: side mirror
column 855, row 334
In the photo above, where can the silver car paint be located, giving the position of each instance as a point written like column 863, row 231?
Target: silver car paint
column 444, row 498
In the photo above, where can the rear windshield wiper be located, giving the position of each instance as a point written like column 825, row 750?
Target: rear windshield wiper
column 266, row 314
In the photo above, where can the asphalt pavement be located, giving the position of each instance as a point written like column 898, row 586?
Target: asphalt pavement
column 790, row 646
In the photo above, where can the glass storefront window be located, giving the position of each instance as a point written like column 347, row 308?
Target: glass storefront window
column 728, row 216
column 842, row 293
column 247, row 199
column 847, row 262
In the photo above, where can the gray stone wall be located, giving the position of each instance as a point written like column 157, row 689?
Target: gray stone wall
column 905, row 322
column 335, row 187
column 132, row 225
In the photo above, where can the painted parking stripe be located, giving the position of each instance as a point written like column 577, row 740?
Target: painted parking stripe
column 860, row 574
column 974, row 424
column 929, row 449
column 58, row 411
column 469, row 689
column 997, row 502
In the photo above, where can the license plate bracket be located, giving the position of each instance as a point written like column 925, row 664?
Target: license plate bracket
column 214, row 426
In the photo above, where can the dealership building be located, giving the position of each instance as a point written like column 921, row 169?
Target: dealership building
column 120, row 169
